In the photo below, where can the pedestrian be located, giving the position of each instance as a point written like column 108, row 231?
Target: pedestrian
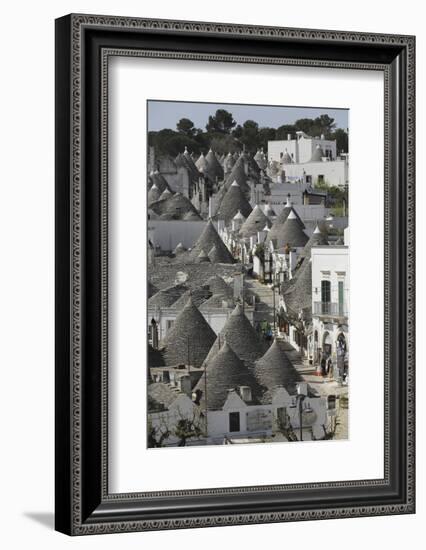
column 323, row 366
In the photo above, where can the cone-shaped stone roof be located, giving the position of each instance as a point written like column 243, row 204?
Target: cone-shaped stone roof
column 190, row 338
column 286, row 158
column 261, row 160
column 202, row 163
column 166, row 194
column 239, row 175
column 159, row 180
column 241, row 336
column 255, row 222
column 228, row 163
column 316, row 239
column 218, row 256
column 202, row 257
column 153, row 194
column 185, row 160
column 197, row 295
column 175, row 208
column 179, row 249
column 290, row 232
column 288, row 207
column 217, row 285
column 275, row 369
column 192, row 216
column 167, row 296
column 317, row 154
column 225, row 372
column 214, row 169
column 208, row 239
column 233, row 201
column 299, row 295
column 216, row 302
column 151, row 289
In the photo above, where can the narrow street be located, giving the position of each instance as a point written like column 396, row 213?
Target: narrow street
column 322, row 386
column 265, row 303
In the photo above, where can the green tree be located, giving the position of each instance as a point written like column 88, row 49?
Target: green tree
column 325, row 124
column 342, row 140
column 304, row 125
column 266, row 134
column 250, row 135
column 189, row 428
column 176, row 144
column 225, row 143
column 186, row 127
column 222, row 122
column 283, row 131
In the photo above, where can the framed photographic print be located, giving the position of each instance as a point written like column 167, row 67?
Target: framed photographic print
column 234, row 274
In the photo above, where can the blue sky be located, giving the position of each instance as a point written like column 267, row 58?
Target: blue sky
column 165, row 114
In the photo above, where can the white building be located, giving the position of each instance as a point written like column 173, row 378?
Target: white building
column 330, row 303
column 241, row 420
column 326, row 171
column 301, row 148
column 309, row 160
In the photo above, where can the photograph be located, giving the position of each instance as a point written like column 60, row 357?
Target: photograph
column 248, row 253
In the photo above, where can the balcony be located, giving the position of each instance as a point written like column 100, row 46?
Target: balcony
column 330, row 309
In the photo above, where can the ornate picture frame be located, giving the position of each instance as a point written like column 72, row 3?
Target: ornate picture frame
column 84, row 43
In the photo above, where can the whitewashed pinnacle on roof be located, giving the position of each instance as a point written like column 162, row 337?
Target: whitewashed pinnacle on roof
column 165, row 194
column 268, row 210
column 238, row 216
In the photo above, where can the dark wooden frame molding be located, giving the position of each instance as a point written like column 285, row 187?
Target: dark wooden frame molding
column 84, row 44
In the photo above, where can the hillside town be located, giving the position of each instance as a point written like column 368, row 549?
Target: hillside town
column 248, row 294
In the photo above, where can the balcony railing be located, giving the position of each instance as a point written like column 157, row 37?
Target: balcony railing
column 330, row 309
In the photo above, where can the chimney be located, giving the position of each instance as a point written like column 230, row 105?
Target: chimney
column 288, row 137
column 245, row 393
column 261, row 236
column 302, row 388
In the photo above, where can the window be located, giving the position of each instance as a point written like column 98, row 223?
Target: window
column 234, row 422
column 325, row 291
column 169, row 324
column 320, row 178
column 341, row 298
